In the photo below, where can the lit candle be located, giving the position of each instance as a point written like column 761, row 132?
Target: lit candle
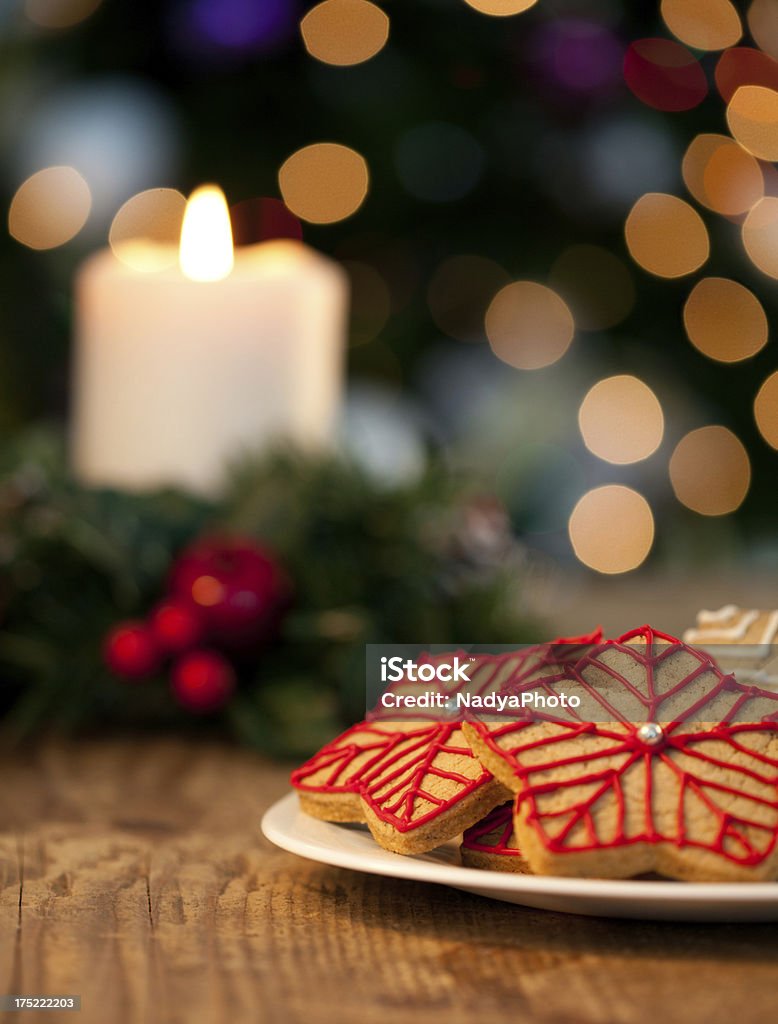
column 179, row 370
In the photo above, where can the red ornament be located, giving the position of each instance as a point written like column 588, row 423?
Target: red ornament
column 130, row 651
column 177, row 626
column 237, row 586
column 202, row 681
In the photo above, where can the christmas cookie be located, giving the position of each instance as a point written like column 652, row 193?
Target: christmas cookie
column 741, row 640
column 432, row 787
column 429, row 788
column 427, row 758
column 491, row 844
column 669, row 766
column 329, row 784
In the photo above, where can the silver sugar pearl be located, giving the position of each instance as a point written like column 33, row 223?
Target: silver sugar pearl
column 650, row 733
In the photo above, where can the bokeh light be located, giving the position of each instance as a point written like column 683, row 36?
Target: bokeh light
column 460, row 291
column 621, row 420
column 49, row 208
column 742, row 65
column 665, row 75
column 234, row 26
column 596, row 285
column 666, row 236
column 760, row 235
column 725, row 320
column 766, row 410
column 501, row 8
column 721, row 175
column 710, row 471
column 344, row 32
column 324, row 182
column 146, row 230
column 439, row 162
column 371, row 302
column 621, row 158
column 528, row 325
column 763, row 23
column 121, row 134
column 612, row 529
column 577, row 55
column 752, row 116
column 703, row 24
column 59, row 13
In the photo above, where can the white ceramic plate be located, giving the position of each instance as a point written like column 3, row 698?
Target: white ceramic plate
column 352, row 847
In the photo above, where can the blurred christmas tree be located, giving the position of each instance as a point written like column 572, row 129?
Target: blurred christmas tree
column 498, row 148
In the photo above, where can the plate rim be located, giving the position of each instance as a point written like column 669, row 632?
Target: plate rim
column 394, row 865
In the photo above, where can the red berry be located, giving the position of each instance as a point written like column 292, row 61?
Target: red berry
column 202, row 681
column 131, row 652
column 238, row 587
column 177, row 626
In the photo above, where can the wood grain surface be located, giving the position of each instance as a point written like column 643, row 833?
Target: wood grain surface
column 133, row 872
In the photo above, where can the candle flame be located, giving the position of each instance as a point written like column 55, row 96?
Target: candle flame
column 206, row 252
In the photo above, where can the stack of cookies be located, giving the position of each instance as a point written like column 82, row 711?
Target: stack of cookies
column 668, row 764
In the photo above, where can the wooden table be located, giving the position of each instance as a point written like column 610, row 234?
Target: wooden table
column 133, row 872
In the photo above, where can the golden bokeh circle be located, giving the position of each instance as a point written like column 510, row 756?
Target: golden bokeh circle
column 666, row 236
column 763, row 23
column 501, row 8
column 324, row 182
column 721, row 175
column 49, row 208
column 752, row 116
column 766, row 410
column 146, row 230
column 710, row 471
column 344, row 32
column 611, row 529
column 621, row 420
column 703, row 24
column 760, row 235
column 724, row 320
column 528, row 325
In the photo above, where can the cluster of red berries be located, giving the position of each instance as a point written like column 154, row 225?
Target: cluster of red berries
column 224, row 597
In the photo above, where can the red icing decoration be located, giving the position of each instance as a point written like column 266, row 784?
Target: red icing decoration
column 392, row 778
column 732, row 825
column 396, row 783
column 340, row 754
column 499, row 820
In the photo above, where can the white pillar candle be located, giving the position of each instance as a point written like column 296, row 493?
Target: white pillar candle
column 178, row 371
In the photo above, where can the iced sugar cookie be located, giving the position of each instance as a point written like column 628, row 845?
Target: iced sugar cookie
column 672, row 768
column 741, row 640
